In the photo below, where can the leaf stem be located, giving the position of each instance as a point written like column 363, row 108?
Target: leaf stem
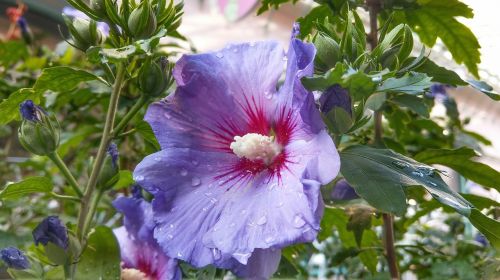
column 65, row 171
column 65, row 197
column 85, row 215
column 130, row 114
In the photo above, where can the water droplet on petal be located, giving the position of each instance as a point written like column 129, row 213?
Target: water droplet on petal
column 170, row 237
column 268, row 95
column 269, row 239
column 298, row 221
column 235, row 50
column 252, row 44
column 167, row 115
column 285, row 58
column 184, row 172
column 195, row 181
column 195, row 162
column 232, row 225
column 205, row 209
column 213, row 200
column 171, row 226
column 242, row 257
column 216, row 253
column 221, row 182
column 280, row 204
column 243, row 212
column 262, row 220
column 157, row 158
column 179, row 255
column 219, row 55
column 139, row 178
column 208, row 194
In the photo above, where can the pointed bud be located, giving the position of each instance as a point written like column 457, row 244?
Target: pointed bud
column 52, row 230
column 39, row 131
column 110, row 172
column 142, row 21
column 14, row 258
column 84, row 32
column 154, row 77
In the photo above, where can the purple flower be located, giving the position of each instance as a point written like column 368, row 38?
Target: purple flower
column 241, row 163
column 343, row 191
column 51, row 230
column 142, row 258
column 31, row 112
column 74, row 13
column 335, row 96
column 113, row 153
column 438, row 91
column 14, row 258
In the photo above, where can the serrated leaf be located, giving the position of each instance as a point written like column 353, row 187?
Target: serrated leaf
column 378, row 176
column 101, row 257
column 435, row 19
column 484, row 88
column 62, row 79
column 9, row 108
column 461, row 160
column 25, row 187
column 146, row 46
column 411, row 83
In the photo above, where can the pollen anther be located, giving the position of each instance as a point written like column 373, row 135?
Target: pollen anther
column 256, row 147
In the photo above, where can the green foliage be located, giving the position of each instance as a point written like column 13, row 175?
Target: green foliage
column 101, row 258
column 485, row 88
column 411, row 83
column 25, row 187
column 268, row 4
column 461, row 160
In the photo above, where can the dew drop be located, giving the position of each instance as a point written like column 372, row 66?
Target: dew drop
column 232, row 225
column 285, row 58
column 213, row 200
column 219, row 55
column 170, row 237
column 167, row 115
column 235, row 50
column 400, row 164
column 195, row 162
column 205, row 209
column 157, row 158
column 268, row 95
column 417, row 173
column 432, row 183
column 262, row 220
column 139, row 178
column 221, row 182
column 243, row 212
column 269, row 239
column 280, row 204
column 208, row 194
column 184, row 172
column 216, row 253
column 179, row 255
column 298, row 221
column 195, row 181
column 171, row 226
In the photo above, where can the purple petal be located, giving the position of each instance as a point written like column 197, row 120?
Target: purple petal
column 343, row 191
column 138, row 217
column 51, row 229
column 262, row 265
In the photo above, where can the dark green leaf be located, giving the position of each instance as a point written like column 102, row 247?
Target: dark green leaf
column 461, row 161
column 27, row 186
column 338, row 120
column 378, row 175
column 484, row 88
column 411, row 83
column 487, row 226
column 146, row 132
column 9, row 108
column 125, row 180
column 359, row 85
column 307, row 22
column 480, row 202
column 416, row 104
column 101, row 257
column 62, row 79
column 439, row 74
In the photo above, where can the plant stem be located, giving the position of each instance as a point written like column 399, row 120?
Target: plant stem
column 374, row 7
column 66, row 173
column 85, row 215
column 92, row 209
column 130, row 114
column 390, row 252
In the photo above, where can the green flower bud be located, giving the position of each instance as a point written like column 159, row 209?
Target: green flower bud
column 142, row 21
column 154, row 77
column 99, row 7
column 84, row 33
column 110, row 172
column 39, row 132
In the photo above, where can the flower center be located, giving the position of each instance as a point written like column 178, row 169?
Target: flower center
column 256, row 147
column 133, row 274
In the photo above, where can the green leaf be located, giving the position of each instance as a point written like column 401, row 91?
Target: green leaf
column 322, row 82
column 125, row 180
column 411, row 83
column 27, row 186
column 317, row 14
column 12, row 52
column 101, row 257
column 484, row 88
column 338, row 120
column 439, row 74
column 62, row 79
column 146, row 132
column 436, row 18
column 146, row 46
column 359, row 85
column 461, row 161
column 9, row 108
column 487, row 226
column 416, row 104
column 378, row 175
column 268, row 4
column 480, row 202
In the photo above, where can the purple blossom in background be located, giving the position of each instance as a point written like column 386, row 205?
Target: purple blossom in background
column 51, row 229
column 74, row 13
column 241, row 164
column 14, row 258
column 438, row 91
column 335, row 96
column 113, row 153
column 141, row 256
column 343, row 191
column 30, row 111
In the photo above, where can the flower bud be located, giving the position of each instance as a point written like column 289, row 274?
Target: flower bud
column 343, row 191
column 84, row 32
column 142, row 21
column 110, row 172
column 336, row 108
column 53, row 235
column 99, row 7
column 39, row 131
column 154, row 77
column 14, row 258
